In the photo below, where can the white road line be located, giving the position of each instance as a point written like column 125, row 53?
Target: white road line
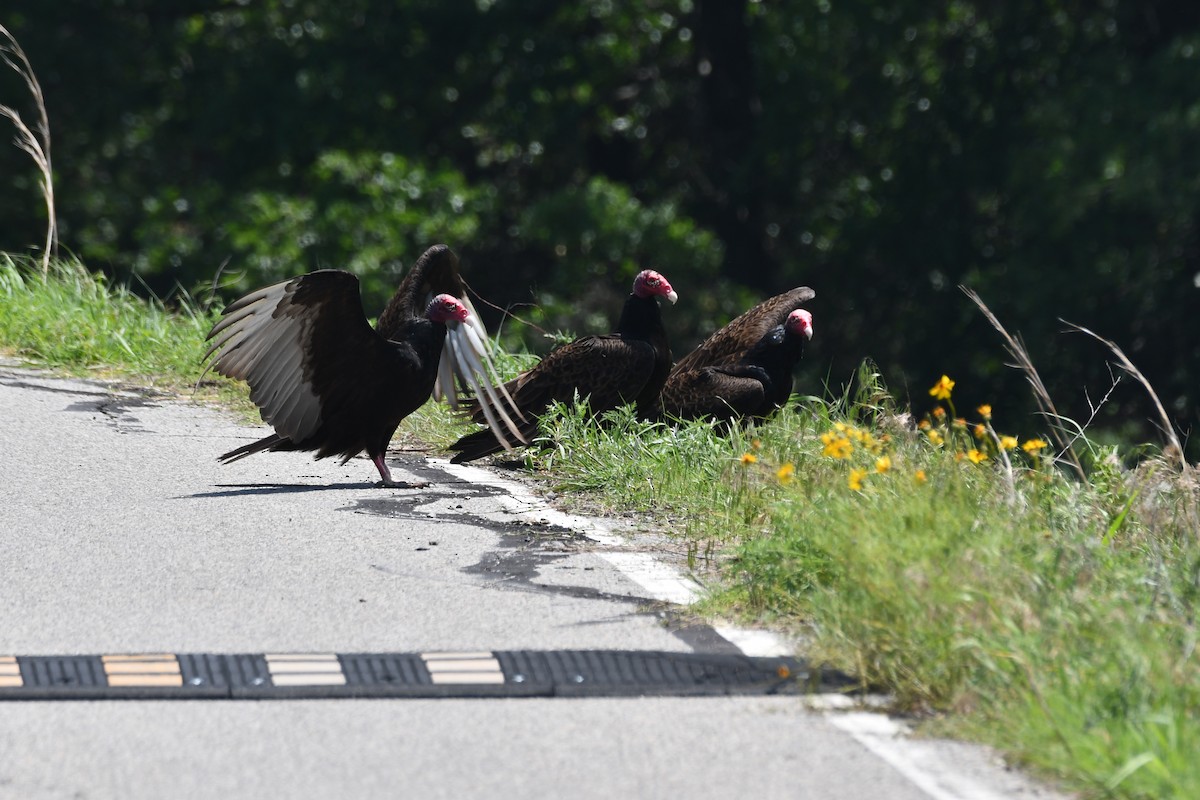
column 919, row 761
column 661, row 581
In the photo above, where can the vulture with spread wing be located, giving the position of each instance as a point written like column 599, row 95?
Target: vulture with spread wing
column 329, row 383
column 745, row 368
column 628, row 366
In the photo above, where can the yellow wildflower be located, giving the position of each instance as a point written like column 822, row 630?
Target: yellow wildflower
column 749, row 458
column 856, row 479
column 980, row 431
column 959, row 422
column 941, row 389
column 934, row 437
column 985, row 411
column 920, row 476
column 976, row 456
column 939, row 413
column 836, row 446
column 1008, row 442
column 883, row 464
column 850, row 432
column 924, row 425
column 785, row 473
column 1033, row 445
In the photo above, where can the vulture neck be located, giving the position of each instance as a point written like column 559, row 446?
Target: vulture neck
column 779, row 347
column 640, row 319
column 406, row 304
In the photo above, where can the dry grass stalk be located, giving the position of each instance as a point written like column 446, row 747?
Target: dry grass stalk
column 37, row 146
column 1020, row 355
column 1173, row 452
column 1010, row 483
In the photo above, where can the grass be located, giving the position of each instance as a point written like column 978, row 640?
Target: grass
column 74, row 320
column 996, row 595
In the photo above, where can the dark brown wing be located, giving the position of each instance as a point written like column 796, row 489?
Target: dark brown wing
column 721, row 393
column 735, row 339
column 435, row 272
column 609, row 371
column 299, row 344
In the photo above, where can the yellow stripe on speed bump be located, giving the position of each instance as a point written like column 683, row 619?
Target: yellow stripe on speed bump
column 151, row 669
column 475, row 667
column 305, row 669
column 10, row 673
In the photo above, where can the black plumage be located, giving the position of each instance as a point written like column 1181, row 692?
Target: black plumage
column 321, row 376
column 629, row 365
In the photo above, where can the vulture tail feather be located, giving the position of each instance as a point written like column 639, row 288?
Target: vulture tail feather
column 271, row 442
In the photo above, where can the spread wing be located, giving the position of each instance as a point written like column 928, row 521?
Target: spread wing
column 736, row 339
column 298, row 344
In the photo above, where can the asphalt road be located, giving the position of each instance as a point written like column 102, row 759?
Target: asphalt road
column 120, row 533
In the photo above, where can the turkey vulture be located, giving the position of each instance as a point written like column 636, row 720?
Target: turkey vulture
column 744, row 369
column 329, row 383
column 628, row 366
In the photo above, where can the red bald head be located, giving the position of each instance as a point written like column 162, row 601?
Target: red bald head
column 649, row 283
column 446, row 308
column 799, row 322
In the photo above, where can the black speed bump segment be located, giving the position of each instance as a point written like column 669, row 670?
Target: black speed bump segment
column 502, row 673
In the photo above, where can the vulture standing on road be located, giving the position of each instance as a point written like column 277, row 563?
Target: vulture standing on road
column 744, row 369
column 628, row 366
column 326, row 381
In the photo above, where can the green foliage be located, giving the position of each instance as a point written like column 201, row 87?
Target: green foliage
column 378, row 211
column 603, row 223
column 602, row 232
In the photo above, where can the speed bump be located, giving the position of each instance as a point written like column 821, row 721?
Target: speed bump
column 501, row 673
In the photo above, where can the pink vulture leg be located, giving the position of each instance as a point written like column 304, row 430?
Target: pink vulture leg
column 386, row 475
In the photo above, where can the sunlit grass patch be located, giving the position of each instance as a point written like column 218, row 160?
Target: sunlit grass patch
column 75, row 320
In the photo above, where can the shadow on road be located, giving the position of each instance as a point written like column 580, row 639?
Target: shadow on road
column 248, row 489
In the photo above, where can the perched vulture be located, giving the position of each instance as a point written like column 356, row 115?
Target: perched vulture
column 628, row 366
column 744, row 369
column 329, row 383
